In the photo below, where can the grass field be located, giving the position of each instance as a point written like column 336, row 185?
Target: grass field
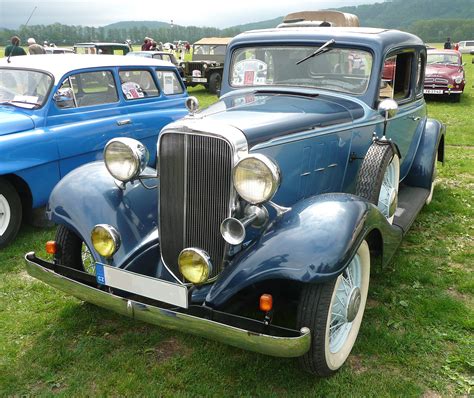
column 416, row 338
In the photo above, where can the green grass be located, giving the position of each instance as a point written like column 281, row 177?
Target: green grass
column 416, row 338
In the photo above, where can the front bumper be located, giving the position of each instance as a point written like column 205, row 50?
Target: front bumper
column 230, row 329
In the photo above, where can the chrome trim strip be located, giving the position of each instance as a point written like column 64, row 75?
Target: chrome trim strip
column 257, row 342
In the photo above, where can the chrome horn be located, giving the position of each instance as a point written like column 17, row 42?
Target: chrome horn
column 233, row 230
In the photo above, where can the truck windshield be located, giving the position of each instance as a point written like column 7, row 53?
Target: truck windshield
column 340, row 69
column 24, row 86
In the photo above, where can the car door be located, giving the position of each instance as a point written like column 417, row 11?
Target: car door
column 85, row 122
column 402, row 80
column 148, row 106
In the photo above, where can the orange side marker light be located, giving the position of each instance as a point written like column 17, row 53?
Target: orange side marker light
column 266, row 302
column 51, row 247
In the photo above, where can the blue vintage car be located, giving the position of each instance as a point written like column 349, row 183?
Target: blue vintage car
column 267, row 210
column 58, row 112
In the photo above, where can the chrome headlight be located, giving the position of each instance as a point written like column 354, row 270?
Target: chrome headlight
column 458, row 79
column 256, row 178
column 105, row 239
column 125, row 158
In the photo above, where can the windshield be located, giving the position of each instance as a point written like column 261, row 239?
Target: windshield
column 440, row 58
column 24, row 86
column 209, row 49
column 337, row 69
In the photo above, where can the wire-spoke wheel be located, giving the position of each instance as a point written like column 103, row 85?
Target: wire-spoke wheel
column 333, row 312
column 379, row 177
column 73, row 252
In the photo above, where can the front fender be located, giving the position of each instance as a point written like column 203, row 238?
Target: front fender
column 88, row 196
column 313, row 242
column 432, row 140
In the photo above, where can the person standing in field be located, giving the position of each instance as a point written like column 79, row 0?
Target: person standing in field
column 447, row 44
column 34, row 48
column 14, row 48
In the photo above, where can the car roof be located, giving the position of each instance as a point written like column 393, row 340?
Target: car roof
column 435, row 50
column 101, row 44
column 214, row 41
column 379, row 39
column 150, row 52
column 59, row 64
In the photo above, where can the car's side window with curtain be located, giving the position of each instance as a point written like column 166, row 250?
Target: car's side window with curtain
column 169, row 82
column 138, row 84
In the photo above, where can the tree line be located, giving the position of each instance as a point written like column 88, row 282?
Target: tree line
column 67, row 35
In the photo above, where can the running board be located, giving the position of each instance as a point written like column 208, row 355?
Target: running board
column 410, row 202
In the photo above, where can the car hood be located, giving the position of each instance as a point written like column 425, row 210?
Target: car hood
column 12, row 121
column 444, row 71
column 265, row 115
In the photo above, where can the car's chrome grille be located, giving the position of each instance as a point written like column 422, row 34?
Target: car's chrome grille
column 436, row 80
column 195, row 195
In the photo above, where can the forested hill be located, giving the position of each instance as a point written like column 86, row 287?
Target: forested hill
column 401, row 14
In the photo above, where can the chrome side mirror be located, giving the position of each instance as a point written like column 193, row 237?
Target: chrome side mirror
column 64, row 98
column 388, row 108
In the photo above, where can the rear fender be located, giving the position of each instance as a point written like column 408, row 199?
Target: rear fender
column 432, row 142
column 133, row 212
column 311, row 243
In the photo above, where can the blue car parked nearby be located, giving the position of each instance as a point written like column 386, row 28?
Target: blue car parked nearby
column 58, row 112
column 267, row 210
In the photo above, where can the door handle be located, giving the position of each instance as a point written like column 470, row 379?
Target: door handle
column 124, row 122
column 414, row 118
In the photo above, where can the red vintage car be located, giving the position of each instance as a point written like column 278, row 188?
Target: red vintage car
column 444, row 74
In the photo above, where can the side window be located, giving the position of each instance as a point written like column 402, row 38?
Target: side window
column 90, row 88
column 138, row 84
column 420, row 74
column 396, row 77
column 169, row 82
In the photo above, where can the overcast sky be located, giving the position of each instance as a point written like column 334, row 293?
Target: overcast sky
column 215, row 13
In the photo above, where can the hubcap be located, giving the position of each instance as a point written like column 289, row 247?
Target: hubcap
column 353, row 304
column 5, row 214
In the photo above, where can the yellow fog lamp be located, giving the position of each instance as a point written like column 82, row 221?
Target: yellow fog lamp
column 195, row 265
column 105, row 239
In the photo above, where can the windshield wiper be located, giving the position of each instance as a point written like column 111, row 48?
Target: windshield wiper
column 320, row 50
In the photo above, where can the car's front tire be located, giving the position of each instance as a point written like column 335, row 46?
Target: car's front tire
column 333, row 312
column 72, row 251
column 215, row 83
column 10, row 213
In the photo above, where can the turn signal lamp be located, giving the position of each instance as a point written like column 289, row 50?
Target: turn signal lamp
column 51, row 247
column 266, row 302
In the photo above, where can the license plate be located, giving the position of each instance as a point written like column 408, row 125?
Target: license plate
column 199, row 80
column 429, row 91
column 142, row 285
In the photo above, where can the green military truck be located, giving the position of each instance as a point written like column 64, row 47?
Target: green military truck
column 207, row 63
